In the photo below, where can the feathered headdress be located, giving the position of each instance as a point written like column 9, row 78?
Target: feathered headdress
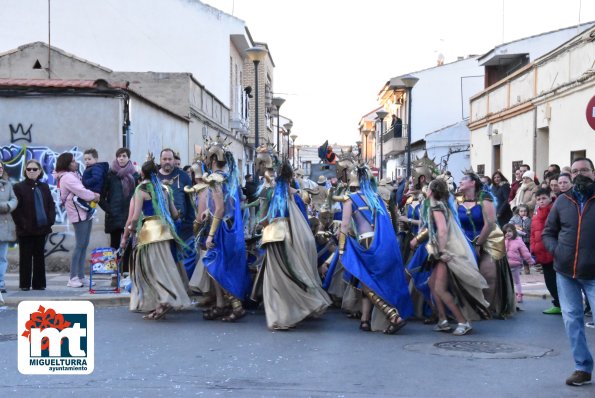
column 217, row 146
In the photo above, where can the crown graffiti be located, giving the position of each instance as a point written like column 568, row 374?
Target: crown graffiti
column 19, row 133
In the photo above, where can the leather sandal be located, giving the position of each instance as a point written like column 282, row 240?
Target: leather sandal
column 161, row 311
column 395, row 325
column 236, row 314
column 150, row 316
column 213, row 313
column 354, row 315
column 364, row 326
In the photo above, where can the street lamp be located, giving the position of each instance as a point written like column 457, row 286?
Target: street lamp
column 381, row 115
column 293, row 138
column 409, row 81
column 256, row 54
column 366, row 133
column 278, row 101
column 288, row 127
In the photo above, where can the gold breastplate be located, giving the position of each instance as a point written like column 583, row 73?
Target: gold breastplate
column 153, row 230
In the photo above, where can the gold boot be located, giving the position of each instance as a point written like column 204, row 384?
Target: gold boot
column 391, row 312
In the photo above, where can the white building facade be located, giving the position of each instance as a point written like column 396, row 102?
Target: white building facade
column 537, row 115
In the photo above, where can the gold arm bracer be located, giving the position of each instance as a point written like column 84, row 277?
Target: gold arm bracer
column 214, row 226
column 422, row 236
column 342, row 239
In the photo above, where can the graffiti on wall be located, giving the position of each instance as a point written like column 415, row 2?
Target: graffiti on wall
column 15, row 158
column 19, row 133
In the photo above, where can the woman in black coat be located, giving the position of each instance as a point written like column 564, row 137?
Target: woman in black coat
column 119, row 188
column 501, row 189
column 34, row 216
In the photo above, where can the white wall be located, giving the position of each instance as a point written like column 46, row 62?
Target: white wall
column 553, row 93
column 131, row 35
column 437, row 98
column 153, row 130
column 439, row 143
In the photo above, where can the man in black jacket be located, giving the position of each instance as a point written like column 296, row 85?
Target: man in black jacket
column 568, row 234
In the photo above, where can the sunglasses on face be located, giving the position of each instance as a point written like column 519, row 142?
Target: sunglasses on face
column 32, row 169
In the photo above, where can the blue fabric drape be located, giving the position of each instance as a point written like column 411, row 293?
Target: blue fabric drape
column 380, row 267
column 226, row 262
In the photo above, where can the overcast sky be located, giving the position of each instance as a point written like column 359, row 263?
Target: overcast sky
column 332, row 57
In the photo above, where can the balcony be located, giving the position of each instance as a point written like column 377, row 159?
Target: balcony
column 394, row 145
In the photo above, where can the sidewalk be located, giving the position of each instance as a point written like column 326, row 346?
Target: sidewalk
column 56, row 289
column 533, row 286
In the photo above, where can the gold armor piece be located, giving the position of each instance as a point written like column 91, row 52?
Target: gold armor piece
column 495, row 245
column 276, row 231
column 196, row 188
column 153, row 230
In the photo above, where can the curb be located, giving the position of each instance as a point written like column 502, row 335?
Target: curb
column 97, row 300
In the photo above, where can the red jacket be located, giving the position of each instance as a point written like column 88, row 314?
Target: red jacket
column 537, row 225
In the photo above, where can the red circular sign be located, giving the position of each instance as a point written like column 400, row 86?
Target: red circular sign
column 591, row 113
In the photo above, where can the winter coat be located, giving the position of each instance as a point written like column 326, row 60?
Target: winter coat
column 501, row 192
column 573, row 248
column 513, row 188
column 115, row 204
column 24, row 216
column 525, row 196
column 523, row 227
column 70, row 185
column 516, row 251
column 8, row 202
column 94, row 176
column 537, row 225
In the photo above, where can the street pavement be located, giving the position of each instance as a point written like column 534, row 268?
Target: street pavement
column 533, row 286
column 185, row 356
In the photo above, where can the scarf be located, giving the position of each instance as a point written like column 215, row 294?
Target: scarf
column 40, row 215
column 519, row 199
column 126, row 175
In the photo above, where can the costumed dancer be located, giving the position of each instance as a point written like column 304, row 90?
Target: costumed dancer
column 159, row 282
column 225, row 259
column 416, row 259
column 369, row 252
column 288, row 279
column 477, row 214
column 451, row 262
column 200, row 280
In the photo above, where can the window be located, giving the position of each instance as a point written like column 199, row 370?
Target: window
column 515, row 166
column 577, row 154
column 481, row 169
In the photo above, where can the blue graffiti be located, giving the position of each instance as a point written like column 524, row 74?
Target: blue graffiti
column 15, row 158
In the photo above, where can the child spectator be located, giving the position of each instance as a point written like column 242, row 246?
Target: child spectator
column 543, row 257
column 516, row 251
column 95, row 172
column 522, row 221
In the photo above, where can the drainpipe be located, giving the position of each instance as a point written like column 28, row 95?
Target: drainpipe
column 535, row 140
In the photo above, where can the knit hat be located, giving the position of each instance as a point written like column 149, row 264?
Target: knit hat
column 529, row 174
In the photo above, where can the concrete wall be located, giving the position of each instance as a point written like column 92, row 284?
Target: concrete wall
column 152, row 130
column 44, row 127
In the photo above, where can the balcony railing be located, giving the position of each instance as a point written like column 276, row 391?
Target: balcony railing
column 394, row 140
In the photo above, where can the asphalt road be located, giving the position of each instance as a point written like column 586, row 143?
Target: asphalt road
column 185, row 356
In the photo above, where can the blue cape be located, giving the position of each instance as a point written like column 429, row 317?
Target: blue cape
column 226, row 262
column 380, row 267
